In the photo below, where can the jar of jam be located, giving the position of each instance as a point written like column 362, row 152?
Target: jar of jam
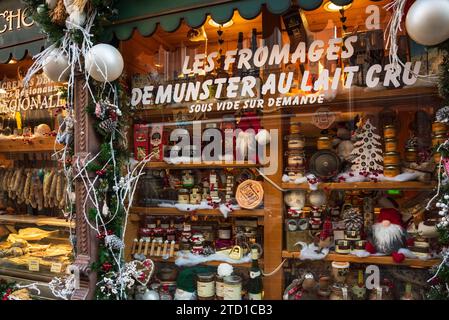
column 232, row 288
column 391, row 145
column 411, row 155
column 183, row 196
column 219, row 287
column 295, row 141
column 439, row 128
column 146, row 233
column 225, row 231
column 343, row 246
column 295, row 158
column 391, row 158
column 352, row 235
column 389, row 131
column 171, row 234
column 294, row 173
column 159, row 234
column 438, row 139
column 324, row 143
column 392, row 171
column 205, row 286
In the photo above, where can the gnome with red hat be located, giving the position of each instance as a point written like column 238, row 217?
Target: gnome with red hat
column 388, row 234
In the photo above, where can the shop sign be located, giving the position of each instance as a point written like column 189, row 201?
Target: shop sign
column 41, row 93
column 242, row 90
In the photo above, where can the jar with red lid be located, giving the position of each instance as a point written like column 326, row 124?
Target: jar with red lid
column 147, row 233
column 159, row 234
column 170, row 234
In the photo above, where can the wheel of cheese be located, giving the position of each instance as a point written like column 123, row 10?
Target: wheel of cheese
column 249, row 194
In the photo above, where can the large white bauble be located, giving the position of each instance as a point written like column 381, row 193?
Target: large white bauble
column 104, row 63
column 56, row 66
column 295, row 199
column 317, row 198
column 51, row 4
column 76, row 18
column 427, row 21
column 151, row 295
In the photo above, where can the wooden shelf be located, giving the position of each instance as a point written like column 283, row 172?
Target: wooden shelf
column 36, row 220
column 383, row 260
column 20, row 144
column 381, row 185
column 161, row 211
column 201, row 165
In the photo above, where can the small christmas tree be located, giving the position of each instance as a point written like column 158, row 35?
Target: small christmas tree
column 367, row 152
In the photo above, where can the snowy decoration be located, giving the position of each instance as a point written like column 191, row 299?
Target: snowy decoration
column 442, row 115
column 225, row 269
column 114, row 242
column 189, row 259
column 311, row 251
column 360, row 253
column 63, row 288
column 367, row 150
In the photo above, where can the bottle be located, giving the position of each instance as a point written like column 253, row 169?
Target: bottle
column 165, row 294
column 359, row 290
column 255, row 284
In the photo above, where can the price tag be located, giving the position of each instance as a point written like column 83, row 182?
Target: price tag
column 56, row 267
column 33, row 265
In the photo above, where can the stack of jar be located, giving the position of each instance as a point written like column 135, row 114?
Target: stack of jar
column 211, row 287
column 392, row 166
column 439, row 136
column 295, row 152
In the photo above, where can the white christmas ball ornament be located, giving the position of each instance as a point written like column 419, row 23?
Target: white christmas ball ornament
column 56, row 66
column 317, row 198
column 51, row 4
column 104, row 63
column 295, row 199
column 427, row 21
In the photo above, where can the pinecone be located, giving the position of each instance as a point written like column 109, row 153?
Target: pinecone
column 107, row 125
column 353, row 219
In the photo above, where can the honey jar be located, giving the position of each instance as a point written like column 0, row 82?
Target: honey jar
column 295, row 141
column 205, row 286
column 438, row 139
column 391, row 145
column 232, row 288
column 389, row 131
column 411, row 155
column 183, row 196
column 295, row 127
column 439, row 128
column 391, row 158
column 295, row 158
column 323, row 143
column 391, row 171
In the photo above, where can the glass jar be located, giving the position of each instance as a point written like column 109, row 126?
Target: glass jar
column 340, row 271
column 389, row 131
column 391, row 145
column 219, row 287
column 295, row 127
column 183, row 196
column 295, row 158
column 295, row 141
column 352, row 235
column 324, row 143
column 339, row 293
column 438, row 139
column 232, row 289
column 391, row 158
column 342, row 246
column 171, row 234
column 411, row 155
column 205, row 286
column 187, row 179
column 225, row 231
column 439, row 128
column 195, row 197
column 294, row 173
column 392, row 171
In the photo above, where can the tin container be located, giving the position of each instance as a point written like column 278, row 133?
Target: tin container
column 391, row 145
column 391, row 158
column 389, row 131
column 324, row 143
column 392, row 171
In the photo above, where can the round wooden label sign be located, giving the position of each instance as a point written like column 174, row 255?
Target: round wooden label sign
column 249, row 194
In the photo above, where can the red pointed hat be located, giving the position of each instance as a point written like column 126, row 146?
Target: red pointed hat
column 391, row 215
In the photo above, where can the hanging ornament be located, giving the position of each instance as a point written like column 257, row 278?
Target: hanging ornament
column 107, row 125
column 105, row 210
column 427, row 21
column 104, row 63
column 56, row 66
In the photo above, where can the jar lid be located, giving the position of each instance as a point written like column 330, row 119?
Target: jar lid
column 389, row 126
column 206, row 276
column 390, row 140
column 340, row 265
column 391, row 153
column 323, row 138
column 234, row 279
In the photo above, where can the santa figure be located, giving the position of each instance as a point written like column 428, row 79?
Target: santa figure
column 388, row 234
